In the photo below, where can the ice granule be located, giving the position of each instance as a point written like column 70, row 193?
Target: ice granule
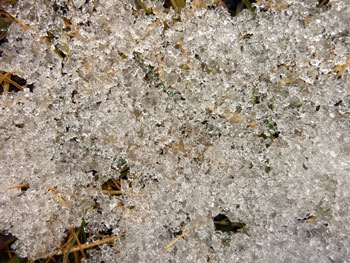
column 243, row 116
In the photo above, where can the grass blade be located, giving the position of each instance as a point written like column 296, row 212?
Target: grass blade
column 144, row 7
column 178, row 4
column 73, row 242
column 248, row 5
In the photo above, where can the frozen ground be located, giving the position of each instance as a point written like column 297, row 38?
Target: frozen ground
column 244, row 116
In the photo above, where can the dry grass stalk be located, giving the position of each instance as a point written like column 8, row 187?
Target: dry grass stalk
column 54, row 193
column 78, row 242
column 174, row 241
column 26, row 27
column 86, row 246
column 18, row 186
column 340, row 69
column 112, row 192
column 6, row 78
column 3, row 35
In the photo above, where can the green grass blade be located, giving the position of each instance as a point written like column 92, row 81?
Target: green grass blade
column 144, row 7
column 174, row 94
column 180, row 4
column 244, row 229
column 81, row 228
column 248, row 5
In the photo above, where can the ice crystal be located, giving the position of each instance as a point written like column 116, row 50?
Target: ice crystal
column 243, row 116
